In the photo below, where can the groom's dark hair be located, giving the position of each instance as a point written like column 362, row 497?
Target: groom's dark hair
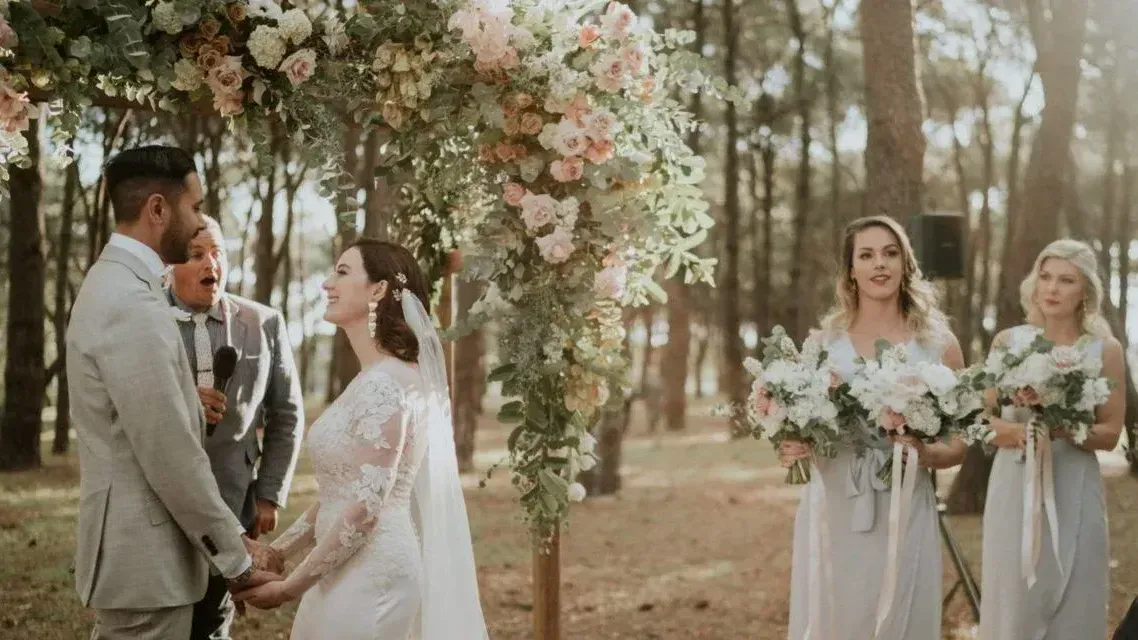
column 133, row 175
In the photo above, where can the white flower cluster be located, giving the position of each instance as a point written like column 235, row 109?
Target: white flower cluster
column 790, row 396
column 166, row 18
column 1033, row 372
column 487, row 27
column 902, row 397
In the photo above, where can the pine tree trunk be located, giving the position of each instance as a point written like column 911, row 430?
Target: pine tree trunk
column 62, row 309
column 833, row 120
column 895, row 145
column 797, row 301
column 984, row 242
column 729, row 274
column 1059, row 41
column 469, row 372
column 677, row 352
column 24, row 372
column 265, row 256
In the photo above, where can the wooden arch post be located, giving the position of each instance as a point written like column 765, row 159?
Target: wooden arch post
column 547, row 588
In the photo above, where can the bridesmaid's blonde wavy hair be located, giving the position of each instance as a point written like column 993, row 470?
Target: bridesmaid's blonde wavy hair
column 918, row 298
column 1080, row 254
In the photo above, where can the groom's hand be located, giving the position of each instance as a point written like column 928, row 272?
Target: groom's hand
column 213, row 401
column 250, row 579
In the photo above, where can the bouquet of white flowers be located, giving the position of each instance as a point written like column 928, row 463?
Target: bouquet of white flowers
column 925, row 399
column 1062, row 385
column 791, row 398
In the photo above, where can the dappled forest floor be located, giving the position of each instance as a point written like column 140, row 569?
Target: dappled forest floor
column 697, row 545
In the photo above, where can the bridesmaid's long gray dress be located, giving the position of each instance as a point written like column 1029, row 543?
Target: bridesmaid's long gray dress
column 858, row 513
column 1066, row 605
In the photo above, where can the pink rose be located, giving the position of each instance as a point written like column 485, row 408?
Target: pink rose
column 556, row 247
column 486, row 154
column 12, row 102
column 613, row 260
column 521, row 152
column 599, row 152
column 17, row 123
column 763, row 401
column 523, row 100
column 1026, row 397
column 229, row 104
column 892, row 421
column 609, row 73
column 505, row 152
column 510, row 110
column 599, row 125
column 228, row 76
column 538, row 210
column 577, row 111
column 617, row 21
column 509, row 60
column 510, row 126
column 513, row 193
column 587, row 35
column 8, row 38
column 633, row 57
column 610, row 282
column 531, row 124
column 209, row 58
column 299, row 66
column 567, row 170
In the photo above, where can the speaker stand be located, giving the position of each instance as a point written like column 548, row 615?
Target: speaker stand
column 965, row 581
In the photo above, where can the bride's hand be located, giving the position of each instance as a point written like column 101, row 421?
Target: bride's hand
column 791, row 451
column 1009, row 435
column 267, row 596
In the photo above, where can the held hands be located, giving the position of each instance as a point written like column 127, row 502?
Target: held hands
column 791, row 451
column 1009, row 435
column 213, row 401
column 252, row 578
column 269, row 595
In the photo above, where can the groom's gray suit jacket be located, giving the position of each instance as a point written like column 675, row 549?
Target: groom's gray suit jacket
column 264, row 391
column 150, row 515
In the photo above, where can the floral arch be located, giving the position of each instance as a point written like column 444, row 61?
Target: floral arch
column 546, row 134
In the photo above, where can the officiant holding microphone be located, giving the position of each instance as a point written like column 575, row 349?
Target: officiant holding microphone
column 263, row 391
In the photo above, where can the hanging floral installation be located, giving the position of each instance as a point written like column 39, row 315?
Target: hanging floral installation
column 548, row 134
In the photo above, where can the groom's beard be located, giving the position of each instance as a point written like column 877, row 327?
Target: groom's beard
column 175, row 244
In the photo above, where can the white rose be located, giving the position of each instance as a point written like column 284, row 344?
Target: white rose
column 576, row 492
column 610, row 282
column 538, row 210
column 569, row 139
column 939, row 378
column 618, row 20
column 267, row 46
column 466, row 21
column 295, row 26
column 587, row 463
column 588, row 443
column 556, row 247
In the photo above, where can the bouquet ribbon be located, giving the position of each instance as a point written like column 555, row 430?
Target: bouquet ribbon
column 820, row 573
column 1038, row 497
column 900, row 500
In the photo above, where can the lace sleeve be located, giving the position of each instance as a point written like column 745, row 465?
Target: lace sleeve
column 378, row 429
column 300, row 534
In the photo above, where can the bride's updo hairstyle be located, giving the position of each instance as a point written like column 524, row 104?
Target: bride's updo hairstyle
column 394, row 264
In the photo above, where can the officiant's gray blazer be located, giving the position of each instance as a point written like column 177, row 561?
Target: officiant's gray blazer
column 150, row 516
column 264, row 391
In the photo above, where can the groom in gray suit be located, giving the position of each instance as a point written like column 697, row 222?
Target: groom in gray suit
column 263, row 391
column 151, row 519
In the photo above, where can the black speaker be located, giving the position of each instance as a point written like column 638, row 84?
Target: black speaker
column 939, row 241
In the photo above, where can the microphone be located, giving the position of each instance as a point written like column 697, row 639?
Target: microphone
column 224, row 362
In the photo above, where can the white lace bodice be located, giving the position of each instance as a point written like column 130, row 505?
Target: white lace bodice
column 366, row 449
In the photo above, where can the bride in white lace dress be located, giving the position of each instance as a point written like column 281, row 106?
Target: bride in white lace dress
column 390, row 554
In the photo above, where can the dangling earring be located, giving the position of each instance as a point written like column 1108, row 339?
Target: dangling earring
column 371, row 317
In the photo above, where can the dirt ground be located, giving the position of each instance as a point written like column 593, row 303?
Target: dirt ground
column 697, row 545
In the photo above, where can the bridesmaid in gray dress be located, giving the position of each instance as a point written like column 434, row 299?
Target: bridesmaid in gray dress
column 1071, row 594
column 881, row 295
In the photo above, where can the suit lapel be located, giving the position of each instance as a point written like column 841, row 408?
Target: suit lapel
column 235, row 326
